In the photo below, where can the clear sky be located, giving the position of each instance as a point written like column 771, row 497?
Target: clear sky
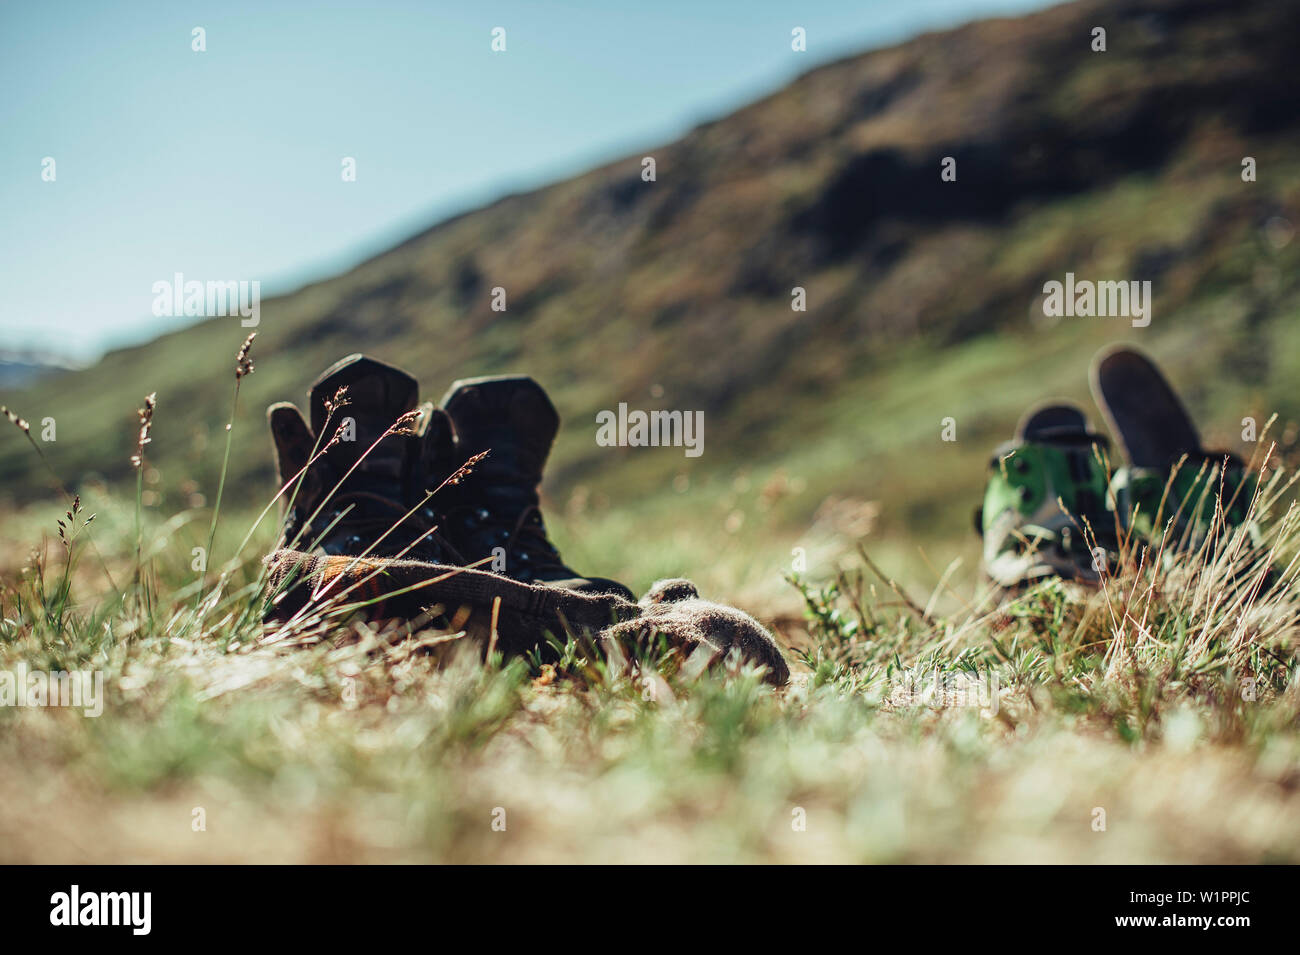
column 226, row 164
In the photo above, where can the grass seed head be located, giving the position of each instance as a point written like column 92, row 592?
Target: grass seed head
column 405, row 425
column 146, row 424
column 20, row 423
column 466, row 469
column 340, row 400
column 244, row 364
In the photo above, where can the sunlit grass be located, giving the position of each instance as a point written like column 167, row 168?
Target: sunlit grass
column 1167, row 700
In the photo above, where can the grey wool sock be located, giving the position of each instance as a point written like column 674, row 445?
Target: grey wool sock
column 302, row 585
column 674, row 608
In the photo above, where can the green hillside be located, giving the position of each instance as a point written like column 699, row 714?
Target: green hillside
column 923, row 296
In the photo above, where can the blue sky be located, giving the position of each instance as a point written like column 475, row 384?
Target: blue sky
column 226, row 164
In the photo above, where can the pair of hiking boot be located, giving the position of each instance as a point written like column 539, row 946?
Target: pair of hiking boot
column 430, row 515
column 385, row 489
column 1057, row 505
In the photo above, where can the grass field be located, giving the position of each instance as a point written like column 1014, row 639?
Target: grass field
column 1153, row 721
column 1157, row 720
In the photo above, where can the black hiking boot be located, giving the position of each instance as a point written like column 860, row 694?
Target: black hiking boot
column 354, row 499
column 1044, row 503
column 495, row 513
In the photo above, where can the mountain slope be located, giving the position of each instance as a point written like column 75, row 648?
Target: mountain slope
column 922, row 295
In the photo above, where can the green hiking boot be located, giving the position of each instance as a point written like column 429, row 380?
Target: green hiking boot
column 1046, row 487
column 1183, row 497
column 1168, row 476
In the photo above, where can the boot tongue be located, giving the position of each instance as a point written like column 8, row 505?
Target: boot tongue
column 510, row 416
column 377, row 395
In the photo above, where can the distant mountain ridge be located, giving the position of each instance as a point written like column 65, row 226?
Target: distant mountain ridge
column 18, row 369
